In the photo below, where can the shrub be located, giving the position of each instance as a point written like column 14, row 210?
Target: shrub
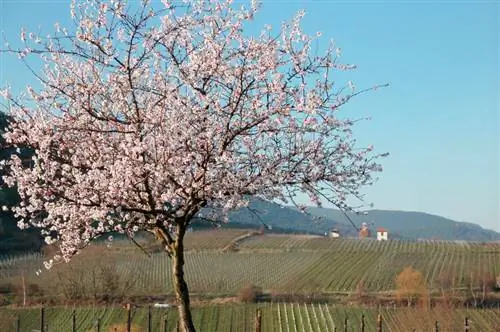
column 8, row 288
column 4, row 300
column 411, row 286
column 250, row 293
column 34, row 289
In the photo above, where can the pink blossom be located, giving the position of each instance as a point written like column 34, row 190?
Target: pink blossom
column 5, row 93
column 138, row 138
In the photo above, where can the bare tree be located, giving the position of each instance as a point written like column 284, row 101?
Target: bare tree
column 447, row 287
column 479, row 283
column 93, row 275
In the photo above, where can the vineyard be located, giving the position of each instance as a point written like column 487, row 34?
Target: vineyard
column 285, row 263
column 277, row 317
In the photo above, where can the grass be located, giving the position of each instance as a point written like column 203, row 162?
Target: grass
column 284, row 264
column 281, row 264
column 278, row 317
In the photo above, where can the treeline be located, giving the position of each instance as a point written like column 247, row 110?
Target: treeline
column 92, row 276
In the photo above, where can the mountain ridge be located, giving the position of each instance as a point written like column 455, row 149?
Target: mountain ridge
column 416, row 224
column 401, row 224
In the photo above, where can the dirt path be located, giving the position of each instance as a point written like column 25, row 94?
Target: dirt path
column 234, row 244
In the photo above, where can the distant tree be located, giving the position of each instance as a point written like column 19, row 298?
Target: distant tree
column 151, row 116
column 410, row 286
column 447, row 287
column 249, row 293
column 479, row 283
column 92, row 275
column 360, row 293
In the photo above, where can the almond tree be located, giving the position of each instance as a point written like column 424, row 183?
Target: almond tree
column 149, row 116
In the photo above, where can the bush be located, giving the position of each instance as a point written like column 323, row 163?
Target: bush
column 34, row 289
column 250, row 293
column 4, row 300
column 411, row 286
column 8, row 288
column 93, row 275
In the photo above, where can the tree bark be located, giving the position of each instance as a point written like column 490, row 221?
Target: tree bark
column 180, row 286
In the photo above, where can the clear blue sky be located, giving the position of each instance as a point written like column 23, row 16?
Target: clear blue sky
column 440, row 117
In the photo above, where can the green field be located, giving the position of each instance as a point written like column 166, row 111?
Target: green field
column 240, row 318
column 282, row 263
column 220, row 263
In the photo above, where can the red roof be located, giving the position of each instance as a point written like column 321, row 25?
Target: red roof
column 381, row 230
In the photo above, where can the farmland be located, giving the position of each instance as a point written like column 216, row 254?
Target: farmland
column 285, row 263
column 282, row 317
column 311, row 283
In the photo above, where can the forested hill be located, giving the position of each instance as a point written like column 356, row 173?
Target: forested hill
column 414, row 225
column 400, row 224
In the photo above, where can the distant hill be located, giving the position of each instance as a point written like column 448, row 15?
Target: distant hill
column 400, row 224
column 271, row 214
column 414, row 224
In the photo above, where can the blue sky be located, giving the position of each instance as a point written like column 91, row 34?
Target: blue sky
column 439, row 119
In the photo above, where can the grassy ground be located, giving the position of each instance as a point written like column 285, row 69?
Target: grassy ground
column 219, row 263
column 275, row 317
column 276, row 263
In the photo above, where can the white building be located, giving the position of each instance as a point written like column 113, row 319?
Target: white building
column 382, row 234
column 334, row 234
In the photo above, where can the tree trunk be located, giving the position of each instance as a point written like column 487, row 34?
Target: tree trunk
column 181, row 288
column 24, row 289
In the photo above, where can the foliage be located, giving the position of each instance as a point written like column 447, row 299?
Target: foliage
column 410, row 285
column 8, row 288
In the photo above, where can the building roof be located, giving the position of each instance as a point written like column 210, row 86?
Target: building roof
column 380, row 229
